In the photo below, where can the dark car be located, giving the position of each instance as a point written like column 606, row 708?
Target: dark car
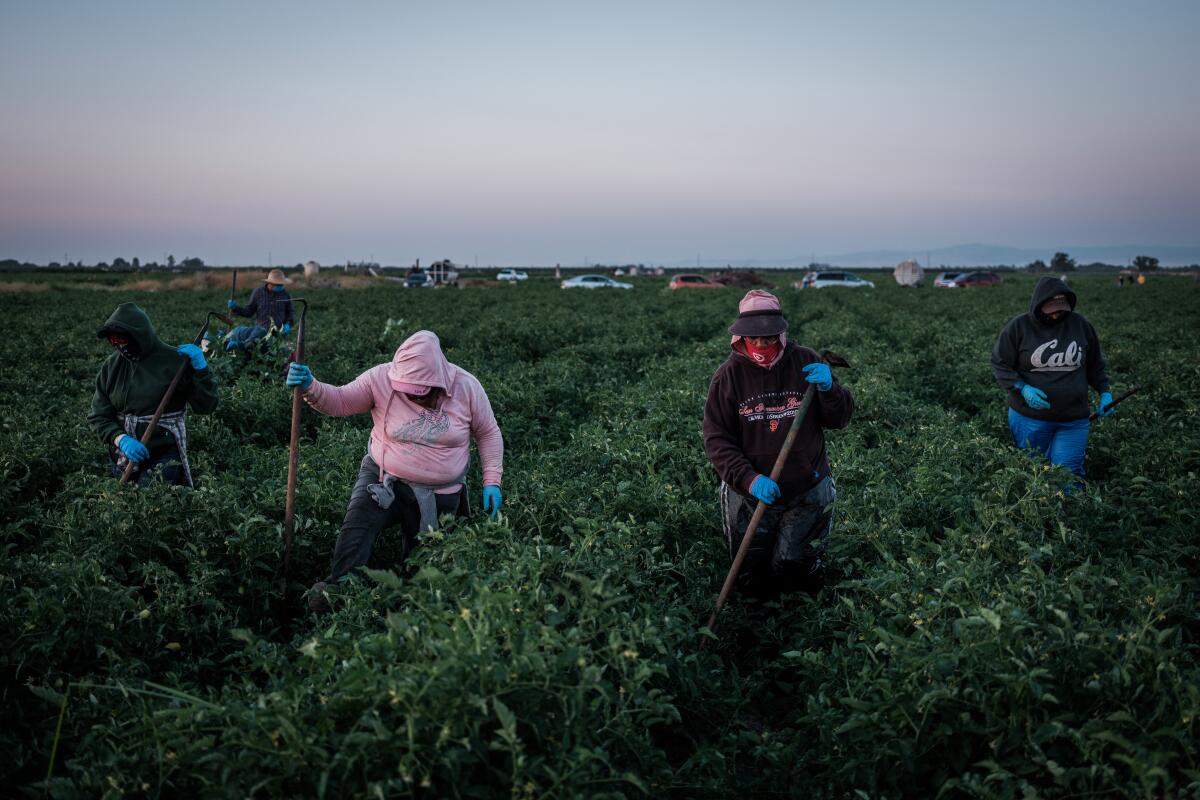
column 417, row 280
column 978, row 279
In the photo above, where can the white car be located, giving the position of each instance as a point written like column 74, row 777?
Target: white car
column 594, row 282
column 945, row 280
column 823, row 280
column 512, row 275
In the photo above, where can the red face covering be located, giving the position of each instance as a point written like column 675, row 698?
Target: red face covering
column 763, row 356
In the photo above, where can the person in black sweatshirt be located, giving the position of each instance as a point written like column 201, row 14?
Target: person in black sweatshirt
column 752, row 399
column 1046, row 359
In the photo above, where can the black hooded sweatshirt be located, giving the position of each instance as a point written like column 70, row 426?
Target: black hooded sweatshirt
column 748, row 413
column 125, row 386
column 1061, row 358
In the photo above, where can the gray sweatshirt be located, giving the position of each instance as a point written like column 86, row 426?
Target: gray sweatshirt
column 1061, row 358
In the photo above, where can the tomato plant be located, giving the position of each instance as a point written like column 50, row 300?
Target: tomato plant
column 981, row 634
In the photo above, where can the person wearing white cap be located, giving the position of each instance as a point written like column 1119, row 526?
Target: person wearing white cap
column 426, row 412
column 1046, row 359
column 271, row 307
column 752, row 399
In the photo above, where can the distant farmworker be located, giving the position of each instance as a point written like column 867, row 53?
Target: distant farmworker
column 129, row 387
column 752, row 399
column 1046, row 359
column 271, row 307
column 426, row 411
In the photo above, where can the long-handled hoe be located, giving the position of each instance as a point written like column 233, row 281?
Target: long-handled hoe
column 166, row 398
column 289, row 508
column 1123, row 396
column 833, row 360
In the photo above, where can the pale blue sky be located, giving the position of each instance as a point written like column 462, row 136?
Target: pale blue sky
column 554, row 132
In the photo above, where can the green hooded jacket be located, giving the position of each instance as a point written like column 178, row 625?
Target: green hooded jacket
column 136, row 387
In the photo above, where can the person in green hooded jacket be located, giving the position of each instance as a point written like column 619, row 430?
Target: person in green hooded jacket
column 129, row 387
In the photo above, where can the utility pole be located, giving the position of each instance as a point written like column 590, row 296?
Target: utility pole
column 269, row 262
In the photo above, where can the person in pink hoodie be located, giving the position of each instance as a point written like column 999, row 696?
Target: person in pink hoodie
column 426, row 411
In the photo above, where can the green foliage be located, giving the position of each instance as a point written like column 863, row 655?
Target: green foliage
column 982, row 635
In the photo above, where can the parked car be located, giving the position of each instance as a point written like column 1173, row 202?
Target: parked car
column 945, row 280
column 594, row 282
column 512, row 275
column 823, row 280
column 689, row 281
column 978, row 279
column 416, row 280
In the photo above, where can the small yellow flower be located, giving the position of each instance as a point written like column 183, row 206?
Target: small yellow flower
column 630, row 654
column 465, row 613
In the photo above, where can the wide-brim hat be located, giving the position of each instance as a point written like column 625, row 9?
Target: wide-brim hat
column 277, row 276
column 759, row 314
column 759, row 323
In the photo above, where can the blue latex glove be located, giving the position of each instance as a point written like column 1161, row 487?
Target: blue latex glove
column 492, row 500
column 819, row 375
column 1105, row 402
column 231, row 304
column 194, row 353
column 132, row 449
column 765, row 489
column 299, row 375
column 1034, row 398
column 286, row 329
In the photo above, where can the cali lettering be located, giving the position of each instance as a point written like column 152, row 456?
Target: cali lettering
column 1065, row 361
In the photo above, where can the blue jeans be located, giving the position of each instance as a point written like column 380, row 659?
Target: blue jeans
column 243, row 335
column 1064, row 443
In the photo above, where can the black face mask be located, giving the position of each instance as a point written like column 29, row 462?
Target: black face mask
column 1046, row 319
column 130, row 350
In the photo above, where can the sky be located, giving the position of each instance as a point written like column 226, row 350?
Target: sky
column 561, row 132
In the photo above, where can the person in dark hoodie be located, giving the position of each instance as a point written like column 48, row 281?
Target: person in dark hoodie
column 1046, row 359
column 752, row 399
column 129, row 387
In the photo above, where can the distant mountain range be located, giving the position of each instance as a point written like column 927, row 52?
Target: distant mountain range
column 971, row 255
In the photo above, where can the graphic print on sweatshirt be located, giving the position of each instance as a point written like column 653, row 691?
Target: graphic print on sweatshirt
column 426, row 428
column 770, row 407
column 1049, row 358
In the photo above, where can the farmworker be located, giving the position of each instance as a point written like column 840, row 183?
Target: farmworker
column 752, row 399
column 271, row 307
column 426, row 410
column 130, row 385
column 1046, row 359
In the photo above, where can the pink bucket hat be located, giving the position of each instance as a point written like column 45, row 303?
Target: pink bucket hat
column 759, row 314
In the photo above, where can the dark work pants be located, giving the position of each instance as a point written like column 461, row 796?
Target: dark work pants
column 785, row 554
column 365, row 519
column 163, row 463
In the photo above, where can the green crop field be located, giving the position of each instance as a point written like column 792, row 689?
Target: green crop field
column 980, row 634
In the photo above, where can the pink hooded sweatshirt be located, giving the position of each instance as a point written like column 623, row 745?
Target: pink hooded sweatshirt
column 423, row 446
